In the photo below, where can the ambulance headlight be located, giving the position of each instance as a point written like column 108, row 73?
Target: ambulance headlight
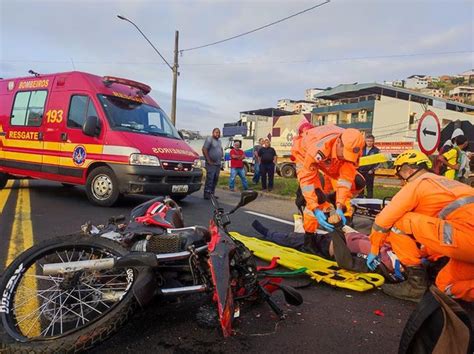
column 197, row 163
column 144, row 160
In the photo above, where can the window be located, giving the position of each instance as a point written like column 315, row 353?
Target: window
column 370, row 116
column 138, row 117
column 28, row 108
column 80, row 108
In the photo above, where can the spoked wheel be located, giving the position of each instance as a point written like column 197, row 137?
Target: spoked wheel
column 76, row 309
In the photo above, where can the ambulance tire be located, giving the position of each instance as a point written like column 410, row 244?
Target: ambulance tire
column 101, row 177
column 3, row 180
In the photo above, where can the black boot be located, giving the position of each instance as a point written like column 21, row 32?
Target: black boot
column 260, row 228
column 412, row 289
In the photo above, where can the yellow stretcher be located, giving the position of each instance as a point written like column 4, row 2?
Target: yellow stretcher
column 318, row 268
column 373, row 159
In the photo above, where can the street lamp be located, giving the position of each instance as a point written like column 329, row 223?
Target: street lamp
column 173, row 68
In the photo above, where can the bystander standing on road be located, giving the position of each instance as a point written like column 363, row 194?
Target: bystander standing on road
column 212, row 151
column 256, row 161
column 368, row 171
column 237, row 157
column 453, row 157
column 268, row 160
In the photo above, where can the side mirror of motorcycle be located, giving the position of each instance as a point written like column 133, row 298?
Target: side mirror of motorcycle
column 292, row 296
column 246, row 197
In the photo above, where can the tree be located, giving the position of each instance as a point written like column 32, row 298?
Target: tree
column 457, row 80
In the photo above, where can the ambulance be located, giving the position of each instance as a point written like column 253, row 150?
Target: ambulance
column 104, row 133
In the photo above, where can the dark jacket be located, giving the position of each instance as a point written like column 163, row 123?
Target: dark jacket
column 373, row 151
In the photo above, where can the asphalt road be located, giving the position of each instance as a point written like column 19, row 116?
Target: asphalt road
column 331, row 320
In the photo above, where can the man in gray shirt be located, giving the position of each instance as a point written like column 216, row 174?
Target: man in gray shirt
column 212, row 151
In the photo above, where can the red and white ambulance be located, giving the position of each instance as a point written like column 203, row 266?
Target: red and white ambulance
column 102, row 132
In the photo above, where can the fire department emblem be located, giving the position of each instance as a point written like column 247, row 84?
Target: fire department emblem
column 79, row 155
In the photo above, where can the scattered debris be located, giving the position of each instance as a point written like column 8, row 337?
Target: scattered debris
column 379, row 313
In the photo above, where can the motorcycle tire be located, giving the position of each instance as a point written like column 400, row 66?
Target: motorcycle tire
column 81, row 296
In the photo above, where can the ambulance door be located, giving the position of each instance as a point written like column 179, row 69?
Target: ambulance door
column 24, row 134
column 78, row 149
column 54, row 123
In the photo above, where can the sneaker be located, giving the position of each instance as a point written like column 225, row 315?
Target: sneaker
column 270, row 189
column 232, row 190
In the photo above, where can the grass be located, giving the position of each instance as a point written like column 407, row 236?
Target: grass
column 288, row 186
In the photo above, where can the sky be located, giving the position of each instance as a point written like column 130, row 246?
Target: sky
column 344, row 41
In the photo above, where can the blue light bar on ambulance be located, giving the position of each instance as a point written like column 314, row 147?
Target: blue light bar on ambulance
column 109, row 80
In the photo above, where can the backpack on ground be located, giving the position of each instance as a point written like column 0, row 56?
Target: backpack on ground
column 438, row 325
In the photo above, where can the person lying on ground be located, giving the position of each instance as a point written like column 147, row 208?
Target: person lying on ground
column 349, row 253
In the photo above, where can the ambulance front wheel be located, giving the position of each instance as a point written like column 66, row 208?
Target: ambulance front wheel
column 102, row 187
column 3, row 180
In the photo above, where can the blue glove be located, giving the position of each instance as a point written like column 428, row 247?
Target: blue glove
column 322, row 220
column 372, row 261
column 341, row 214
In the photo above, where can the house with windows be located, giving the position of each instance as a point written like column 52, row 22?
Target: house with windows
column 390, row 113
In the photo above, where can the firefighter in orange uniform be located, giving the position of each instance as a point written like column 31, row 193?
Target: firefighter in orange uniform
column 335, row 152
column 430, row 216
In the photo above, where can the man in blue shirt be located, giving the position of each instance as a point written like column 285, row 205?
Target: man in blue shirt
column 369, row 171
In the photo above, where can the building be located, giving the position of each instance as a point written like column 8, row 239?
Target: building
column 435, row 92
column 309, row 94
column 417, row 82
column 245, row 126
column 390, row 113
column 466, row 92
column 468, row 75
column 300, row 106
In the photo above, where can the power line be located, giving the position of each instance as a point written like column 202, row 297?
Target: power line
column 332, row 59
column 258, row 28
column 241, row 63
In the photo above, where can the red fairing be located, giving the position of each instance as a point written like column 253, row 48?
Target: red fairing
column 215, row 236
column 155, row 215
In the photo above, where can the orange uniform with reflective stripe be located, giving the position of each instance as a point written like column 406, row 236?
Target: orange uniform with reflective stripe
column 319, row 145
column 432, row 215
column 310, row 224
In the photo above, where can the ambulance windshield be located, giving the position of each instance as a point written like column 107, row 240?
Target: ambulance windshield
column 128, row 115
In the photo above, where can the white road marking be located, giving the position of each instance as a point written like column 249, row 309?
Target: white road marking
column 283, row 221
column 270, row 217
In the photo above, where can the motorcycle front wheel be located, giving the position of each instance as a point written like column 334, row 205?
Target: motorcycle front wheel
column 67, row 312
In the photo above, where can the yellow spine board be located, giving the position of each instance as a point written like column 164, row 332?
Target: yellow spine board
column 373, row 159
column 319, row 269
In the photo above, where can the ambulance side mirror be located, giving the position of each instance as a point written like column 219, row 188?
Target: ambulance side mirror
column 91, row 126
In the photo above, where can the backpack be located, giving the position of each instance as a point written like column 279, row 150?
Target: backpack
column 438, row 325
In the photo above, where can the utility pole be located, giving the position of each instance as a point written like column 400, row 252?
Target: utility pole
column 175, row 78
column 173, row 68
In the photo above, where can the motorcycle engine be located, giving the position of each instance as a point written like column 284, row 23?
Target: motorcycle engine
column 172, row 241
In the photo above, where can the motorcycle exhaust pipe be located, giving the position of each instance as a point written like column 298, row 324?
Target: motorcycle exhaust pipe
column 133, row 259
column 69, row 267
column 184, row 290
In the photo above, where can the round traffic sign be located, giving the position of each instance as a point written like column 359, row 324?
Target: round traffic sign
column 428, row 133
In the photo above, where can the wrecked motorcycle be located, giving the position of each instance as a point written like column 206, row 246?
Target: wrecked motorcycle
column 69, row 293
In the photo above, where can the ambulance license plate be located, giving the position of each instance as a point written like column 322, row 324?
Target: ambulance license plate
column 181, row 188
